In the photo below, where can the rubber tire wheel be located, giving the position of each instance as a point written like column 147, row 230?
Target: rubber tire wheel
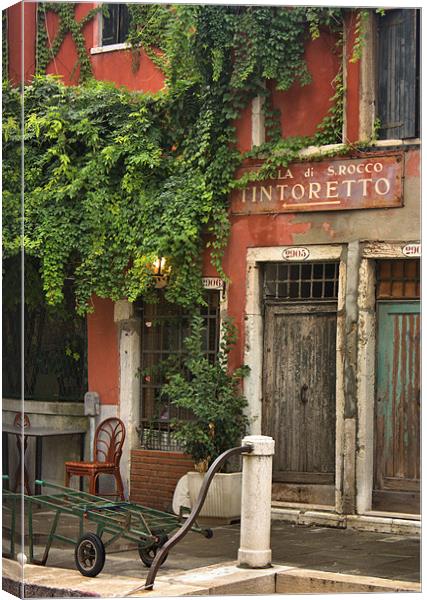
column 148, row 554
column 91, row 546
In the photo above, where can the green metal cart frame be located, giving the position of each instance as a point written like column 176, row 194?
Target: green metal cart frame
column 149, row 529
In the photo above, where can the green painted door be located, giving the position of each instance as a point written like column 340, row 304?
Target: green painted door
column 397, row 422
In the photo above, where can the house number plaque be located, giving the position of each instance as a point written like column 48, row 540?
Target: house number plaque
column 412, row 250
column 212, row 283
column 296, row 253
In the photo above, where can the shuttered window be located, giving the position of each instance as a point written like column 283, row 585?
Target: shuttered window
column 398, row 74
column 115, row 27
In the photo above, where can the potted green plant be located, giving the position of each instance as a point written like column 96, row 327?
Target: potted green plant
column 212, row 393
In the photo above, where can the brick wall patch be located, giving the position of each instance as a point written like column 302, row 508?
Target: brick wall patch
column 154, row 475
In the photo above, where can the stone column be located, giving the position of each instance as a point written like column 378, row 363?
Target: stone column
column 350, row 377
column 129, row 327
column 255, row 551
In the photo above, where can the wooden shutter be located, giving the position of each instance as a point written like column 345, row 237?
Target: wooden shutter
column 110, row 25
column 115, row 27
column 398, row 88
column 123, row 23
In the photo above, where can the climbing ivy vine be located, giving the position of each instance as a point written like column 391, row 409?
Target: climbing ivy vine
column 47, row 49
column 114, row 179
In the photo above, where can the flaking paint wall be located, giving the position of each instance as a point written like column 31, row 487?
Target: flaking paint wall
column 316, row 228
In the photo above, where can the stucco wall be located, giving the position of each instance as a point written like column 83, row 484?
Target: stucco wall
column 317, row 228
column 103, row 352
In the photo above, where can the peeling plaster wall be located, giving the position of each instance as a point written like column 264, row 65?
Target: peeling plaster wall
column 340, row 227
column 374, row 224
column 387, row 230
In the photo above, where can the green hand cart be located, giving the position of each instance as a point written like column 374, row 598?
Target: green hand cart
column 149, row 529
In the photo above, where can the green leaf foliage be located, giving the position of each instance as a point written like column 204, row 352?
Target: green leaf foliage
column 211, row 393
column 114, row 179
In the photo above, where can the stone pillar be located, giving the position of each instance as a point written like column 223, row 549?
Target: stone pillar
column 350, row 377
column 255, row 551
column 129, row 408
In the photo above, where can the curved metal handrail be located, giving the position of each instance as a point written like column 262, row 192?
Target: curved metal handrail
column 216, row 465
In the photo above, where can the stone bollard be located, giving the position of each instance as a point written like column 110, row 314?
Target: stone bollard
column 255, row 551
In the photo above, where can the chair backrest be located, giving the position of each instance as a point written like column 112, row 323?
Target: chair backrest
column 109, row 439
column 21, row 420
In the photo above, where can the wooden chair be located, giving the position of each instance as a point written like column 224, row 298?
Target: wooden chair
column 107, row 451
column 21, row 422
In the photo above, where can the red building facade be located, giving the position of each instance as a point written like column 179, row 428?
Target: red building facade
column 323, row 264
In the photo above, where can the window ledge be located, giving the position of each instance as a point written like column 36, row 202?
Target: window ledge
column 333, row 150
column 329, row 149
column 110, row 48
column 405, row 142
column 325, row 149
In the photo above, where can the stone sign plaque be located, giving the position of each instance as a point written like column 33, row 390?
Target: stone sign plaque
column 330, row 184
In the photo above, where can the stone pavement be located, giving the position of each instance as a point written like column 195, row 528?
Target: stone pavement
column 394, row 557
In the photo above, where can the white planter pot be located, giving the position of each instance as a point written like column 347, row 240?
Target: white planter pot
column 224, row 494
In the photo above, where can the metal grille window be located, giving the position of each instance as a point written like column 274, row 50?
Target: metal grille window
column 398, row 68
column 164, row 327
column 301, row 281
column 115, row 27
column 398, row 279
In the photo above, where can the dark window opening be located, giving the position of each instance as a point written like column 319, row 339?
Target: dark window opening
column 55, row 340
column 115, row 27
column 398, row 68
column 164, row 327
column 301, row 281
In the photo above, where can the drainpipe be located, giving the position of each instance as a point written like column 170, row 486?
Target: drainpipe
column 255, row 524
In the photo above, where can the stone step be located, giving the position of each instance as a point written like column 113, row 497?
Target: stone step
column 307, row 581
column 221, row 579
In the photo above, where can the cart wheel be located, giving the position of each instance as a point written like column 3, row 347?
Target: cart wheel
column 89, row 555
column 148, row 553
column 208, row 533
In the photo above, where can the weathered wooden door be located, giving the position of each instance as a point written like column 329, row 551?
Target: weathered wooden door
column 299, row 399
column 397, row 475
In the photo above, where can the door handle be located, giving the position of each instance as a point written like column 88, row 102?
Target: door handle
column 303, row 396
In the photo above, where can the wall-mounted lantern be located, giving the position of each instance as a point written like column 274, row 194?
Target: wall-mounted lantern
column 161, row 272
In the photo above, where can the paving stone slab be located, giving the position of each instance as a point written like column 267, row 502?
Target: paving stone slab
column 305, row 581
column 229, row 579
column 54, row 582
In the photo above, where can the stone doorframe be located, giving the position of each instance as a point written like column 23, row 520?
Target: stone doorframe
column 366, row 365
column 253, row 354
